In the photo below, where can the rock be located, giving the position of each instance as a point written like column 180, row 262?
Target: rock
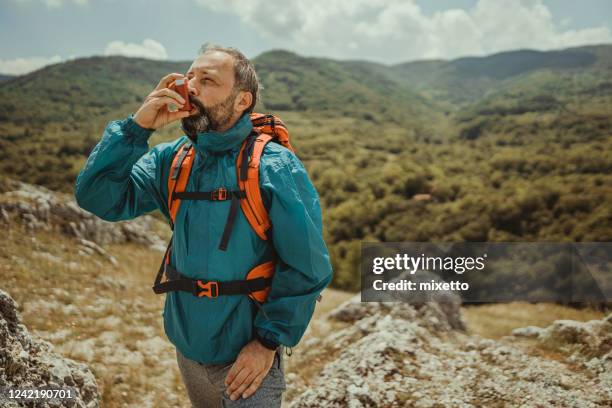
column 421, row 197
column 591, row 339
column 399, row 354
column 529, row 331
column 442, row 309
column 26, row 361
column 38, row 208
column 311, row 342
column 91, row 247
column 4, row 216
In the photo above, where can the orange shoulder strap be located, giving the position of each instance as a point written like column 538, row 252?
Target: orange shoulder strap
column 267, row 127
column 179, row 176
column 253, row 207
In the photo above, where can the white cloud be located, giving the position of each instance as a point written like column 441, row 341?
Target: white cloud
column 57, row 3
column 20, row 66
column 398, row 30
column 60, row 3
column 148, row 49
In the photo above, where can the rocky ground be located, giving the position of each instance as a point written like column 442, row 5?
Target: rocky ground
column 83, row 285
column 40, row 209
column 29, row 362
column 400, row 355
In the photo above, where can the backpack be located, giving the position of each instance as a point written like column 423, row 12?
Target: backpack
column 266, row 128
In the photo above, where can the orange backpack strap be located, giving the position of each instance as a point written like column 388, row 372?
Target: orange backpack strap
column 179, row 176
column 248, row 180
column 266, row 128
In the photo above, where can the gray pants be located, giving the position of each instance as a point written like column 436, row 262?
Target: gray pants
column 206, row 388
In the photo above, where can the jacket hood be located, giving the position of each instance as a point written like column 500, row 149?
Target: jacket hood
column 214, row 142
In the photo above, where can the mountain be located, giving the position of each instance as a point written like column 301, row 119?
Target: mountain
column 359, row 89
column 511, row 146
column 4, row 77
column 468, row 79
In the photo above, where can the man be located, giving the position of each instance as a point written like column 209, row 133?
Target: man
column 228, row 350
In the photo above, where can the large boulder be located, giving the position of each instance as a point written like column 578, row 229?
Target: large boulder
column 29, row 362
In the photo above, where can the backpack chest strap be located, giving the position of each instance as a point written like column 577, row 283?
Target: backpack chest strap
column 211, row 289
column 256, row 285
column 220, row 194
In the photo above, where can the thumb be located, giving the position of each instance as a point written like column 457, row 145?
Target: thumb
column 178, row 115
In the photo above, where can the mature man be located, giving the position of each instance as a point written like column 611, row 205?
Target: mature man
column 229, row 349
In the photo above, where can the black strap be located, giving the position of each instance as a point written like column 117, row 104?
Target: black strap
column 229, row 224
column 179, row 164
column 178, row 282
column 215, row 195
column 243, row 287
column 246, row 154
column 160, row 272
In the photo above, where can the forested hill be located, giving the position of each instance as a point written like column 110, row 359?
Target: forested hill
column 504, row 147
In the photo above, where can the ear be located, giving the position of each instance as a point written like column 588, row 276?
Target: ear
column 243, row 101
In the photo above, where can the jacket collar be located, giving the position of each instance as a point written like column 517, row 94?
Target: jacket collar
column 216, row 143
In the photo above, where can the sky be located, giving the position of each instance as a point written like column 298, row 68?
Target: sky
column 35, row 33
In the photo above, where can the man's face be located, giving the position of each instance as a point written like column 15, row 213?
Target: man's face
column 211, row 86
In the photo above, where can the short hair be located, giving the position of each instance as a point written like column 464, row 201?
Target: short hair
column 245, row 77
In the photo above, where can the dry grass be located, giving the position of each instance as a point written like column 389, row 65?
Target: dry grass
column 94, row 312
column 497, row 320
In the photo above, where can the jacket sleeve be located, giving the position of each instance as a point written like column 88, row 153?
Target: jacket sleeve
column 303, row 269
column 122, row 178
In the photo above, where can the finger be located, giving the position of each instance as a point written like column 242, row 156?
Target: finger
column 172, row 116
column 239, row 380
column 167, row 80
column 168, row 92
column 247, row 382
column 165, row 100
column 236, row 367
column 253, row 387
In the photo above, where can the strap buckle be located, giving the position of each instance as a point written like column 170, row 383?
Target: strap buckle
column 209, row 289
column 219, row 194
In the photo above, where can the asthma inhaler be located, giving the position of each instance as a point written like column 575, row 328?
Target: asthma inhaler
column 180, row 86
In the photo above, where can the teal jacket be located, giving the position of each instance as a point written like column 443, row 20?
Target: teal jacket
column 123, row 179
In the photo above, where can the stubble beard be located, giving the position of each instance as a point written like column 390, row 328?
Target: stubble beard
column 208, row 119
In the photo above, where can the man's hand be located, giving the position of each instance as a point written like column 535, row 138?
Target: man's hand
column 154, row 112
column 249, row 370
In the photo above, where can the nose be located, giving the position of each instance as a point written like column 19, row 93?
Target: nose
column 192, row 89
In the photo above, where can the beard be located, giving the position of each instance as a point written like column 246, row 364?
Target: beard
column 209, row 118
